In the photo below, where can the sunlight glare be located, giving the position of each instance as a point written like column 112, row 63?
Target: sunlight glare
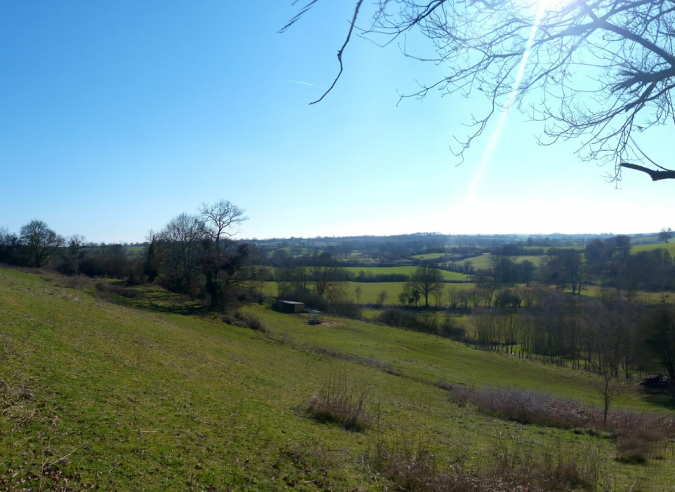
column 542, row 6
column 496, row 134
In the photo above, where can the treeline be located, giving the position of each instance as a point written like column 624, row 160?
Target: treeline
column 606, row 262
column 609, row 335
column 193, row 254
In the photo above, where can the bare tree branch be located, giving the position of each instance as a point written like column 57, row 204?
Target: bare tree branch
column 655, row 175
column 339, row 55
column 600, row 71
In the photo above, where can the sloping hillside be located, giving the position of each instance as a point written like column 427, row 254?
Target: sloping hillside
column 133, row 389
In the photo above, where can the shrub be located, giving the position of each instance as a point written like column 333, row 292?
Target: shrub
column 413, row 466
column 341, row 403
column 635, row 433
column 345, row 309
column 245, row 320
column 119, row 290
column 424, row 322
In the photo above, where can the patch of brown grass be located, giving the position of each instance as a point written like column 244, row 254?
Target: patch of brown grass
column 340, row 402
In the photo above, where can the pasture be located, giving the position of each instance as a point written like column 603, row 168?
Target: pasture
column 482, row 262
column 404, row 270
column 149, row 391
column 670, row 247
column 369, row 291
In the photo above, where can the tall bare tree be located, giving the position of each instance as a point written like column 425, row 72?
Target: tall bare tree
column 220, row 219
column 427, row 281
column 222, row 267
column 601, row 71
column 40, row 242
column 181, row 252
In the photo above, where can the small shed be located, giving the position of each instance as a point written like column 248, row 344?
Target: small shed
column 290, row 306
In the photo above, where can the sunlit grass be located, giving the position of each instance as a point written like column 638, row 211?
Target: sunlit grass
column 99, row 394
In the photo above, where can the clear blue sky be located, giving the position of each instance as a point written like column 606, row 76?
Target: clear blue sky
column 117, row 116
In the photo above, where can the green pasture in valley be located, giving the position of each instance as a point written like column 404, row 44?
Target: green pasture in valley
column 670, row 247
column 371, row 290
column 150, row 391
column 482, row 262
column 428, row 256
column 405, row 270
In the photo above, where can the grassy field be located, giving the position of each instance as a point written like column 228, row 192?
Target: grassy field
column 670, row 247
column 147, row 391
column 371, row 290
column 406, row 270
column 482, row 262
column 429, row 256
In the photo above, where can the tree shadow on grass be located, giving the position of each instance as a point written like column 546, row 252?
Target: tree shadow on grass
column 659, row 398
column 184, row 310
column 152, row 298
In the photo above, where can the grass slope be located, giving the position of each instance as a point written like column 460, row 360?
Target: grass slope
column 146, row 393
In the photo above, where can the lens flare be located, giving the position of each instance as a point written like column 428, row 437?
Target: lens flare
column 503, row 117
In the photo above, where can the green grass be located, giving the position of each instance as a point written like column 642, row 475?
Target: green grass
column 429, row 256
column 405, row 270
column 670, row 247
column 371, row 290
column 153, row 393
column 482, row 262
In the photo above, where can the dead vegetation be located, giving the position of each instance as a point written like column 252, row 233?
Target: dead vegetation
column 341, row 402
column 637, row 434
column 516, row 466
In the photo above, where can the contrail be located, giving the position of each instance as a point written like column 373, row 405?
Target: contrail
column 297, row 82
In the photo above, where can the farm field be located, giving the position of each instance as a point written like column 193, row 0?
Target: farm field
column 482, row 262
column 150, row 392
column 371, row 290
column 428, row 256
column 406, row 270
column 670, row 247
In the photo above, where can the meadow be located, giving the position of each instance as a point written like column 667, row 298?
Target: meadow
column 482, row 262
column 138, row 389
column 405, row 270
column 670, row 247
column 368, row 292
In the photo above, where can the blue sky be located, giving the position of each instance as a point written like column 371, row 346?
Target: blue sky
column 117, row 116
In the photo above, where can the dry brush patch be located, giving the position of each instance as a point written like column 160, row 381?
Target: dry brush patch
column 637, row 434
column 246, row 320
column 341, row 402
column 414, row 466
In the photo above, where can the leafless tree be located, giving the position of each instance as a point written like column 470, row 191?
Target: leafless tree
column 665, row 234
column 181, row 245
column 220, row 218
column 326, row 274
column 40, row 242
column 222, row 267
column 600, row 71
column 427, row 281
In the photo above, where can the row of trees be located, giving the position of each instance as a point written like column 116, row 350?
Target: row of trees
column 193, row 254
column 608, row 262
column 610, row 336
column 34, row 246
column 196, row 255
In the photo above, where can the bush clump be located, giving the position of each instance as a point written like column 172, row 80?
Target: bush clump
column 635, row 433
column 341, row 403
column 245, row 320
column 413, row 466
column 119, row 290
column 424, row 322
